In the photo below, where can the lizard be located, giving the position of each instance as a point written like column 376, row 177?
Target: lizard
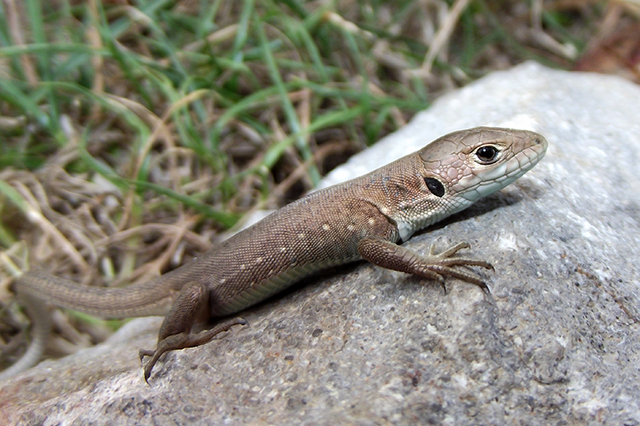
column 364, row 218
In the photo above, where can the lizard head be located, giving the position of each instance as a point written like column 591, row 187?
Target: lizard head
column 471, row 164
column 462, row 167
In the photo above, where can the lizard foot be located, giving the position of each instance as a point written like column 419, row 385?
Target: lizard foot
column 442, row 264
column 184, row 340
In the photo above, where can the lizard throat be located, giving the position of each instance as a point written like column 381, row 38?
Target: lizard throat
column 407, row 226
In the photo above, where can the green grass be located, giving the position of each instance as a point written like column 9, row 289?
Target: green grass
column 145, row 56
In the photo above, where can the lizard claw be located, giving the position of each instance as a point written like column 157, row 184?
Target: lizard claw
column 443, row 263
column 184, row 340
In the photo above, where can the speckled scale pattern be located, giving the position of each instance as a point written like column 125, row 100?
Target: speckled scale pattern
column 324, row 228
column 313, row 233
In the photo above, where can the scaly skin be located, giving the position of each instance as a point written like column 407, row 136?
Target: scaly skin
column 363, row 218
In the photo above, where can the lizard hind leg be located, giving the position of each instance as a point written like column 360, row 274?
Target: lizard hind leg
column 189, row 309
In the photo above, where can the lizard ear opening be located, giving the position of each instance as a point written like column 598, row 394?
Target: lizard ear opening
column 435, row 187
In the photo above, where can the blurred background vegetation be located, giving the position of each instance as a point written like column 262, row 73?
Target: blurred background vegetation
column 133, row 132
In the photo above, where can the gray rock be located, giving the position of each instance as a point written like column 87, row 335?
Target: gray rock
column 557, row 342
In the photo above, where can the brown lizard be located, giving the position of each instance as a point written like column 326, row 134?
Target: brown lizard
column 363, row 218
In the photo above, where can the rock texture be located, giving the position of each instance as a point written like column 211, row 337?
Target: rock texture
column 557, row 342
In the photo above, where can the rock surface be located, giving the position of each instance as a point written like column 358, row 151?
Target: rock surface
column 557, row 342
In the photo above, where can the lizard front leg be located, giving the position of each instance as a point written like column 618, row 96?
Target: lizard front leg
column 434, row 266
column 190, row 308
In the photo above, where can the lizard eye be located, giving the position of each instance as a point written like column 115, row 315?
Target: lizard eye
column 435, row 187
column 487, row 154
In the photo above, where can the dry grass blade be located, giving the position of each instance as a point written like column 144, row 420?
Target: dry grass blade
column 13, row 16
column 443, row 35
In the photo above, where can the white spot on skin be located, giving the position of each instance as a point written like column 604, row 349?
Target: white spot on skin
column 351, row 228
column 283, row 249
column 372, row 221
column 301, row 236
column 242, row 267
column 259, row 260
column 222, row 281
column 326, row 227
column 384, row 210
